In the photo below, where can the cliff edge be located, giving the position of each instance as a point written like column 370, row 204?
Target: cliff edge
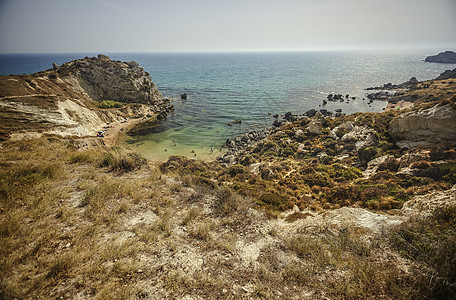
column 67, row 100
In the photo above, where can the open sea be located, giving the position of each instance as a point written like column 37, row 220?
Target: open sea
column 250, row 87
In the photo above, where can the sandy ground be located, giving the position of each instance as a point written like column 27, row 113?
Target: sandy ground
column 110, row 136
column 400, row 105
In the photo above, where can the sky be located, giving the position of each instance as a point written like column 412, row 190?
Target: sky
column 54, row 26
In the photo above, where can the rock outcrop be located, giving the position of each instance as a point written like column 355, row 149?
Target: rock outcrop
column 424, row 205
column 447, row 57
column 412, row 82
column 382, row 163
column 433, row 125
column 447, row 74
column 362, row 136
column 105, row 79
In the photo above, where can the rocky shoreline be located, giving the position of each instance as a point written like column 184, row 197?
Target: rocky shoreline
column 398, row 97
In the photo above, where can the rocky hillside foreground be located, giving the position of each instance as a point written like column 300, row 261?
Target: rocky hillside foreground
column 349, row 207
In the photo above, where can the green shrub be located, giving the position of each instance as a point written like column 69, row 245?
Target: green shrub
column 275, row 201
column 317, row 178
column 110, row 104
column 365, row 154
column 346, row 173
column 446, row 172
column 236, row 169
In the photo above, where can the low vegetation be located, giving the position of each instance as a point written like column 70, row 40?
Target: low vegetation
column 431, row 242
column 110, row 104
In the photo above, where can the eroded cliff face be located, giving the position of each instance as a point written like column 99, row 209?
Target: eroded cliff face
column 65, row 99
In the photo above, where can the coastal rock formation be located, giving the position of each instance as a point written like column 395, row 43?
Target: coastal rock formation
column 64, row 100
column 447, row 57
column 433, row 125
column 447, row 74
column 315, row 127
column 412, row 82
column 105, row 79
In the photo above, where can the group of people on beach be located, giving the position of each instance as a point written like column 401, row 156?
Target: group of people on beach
column 174, row 144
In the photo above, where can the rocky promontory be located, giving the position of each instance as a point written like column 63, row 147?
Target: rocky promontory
column 78, row 98
column 447, row 57
column 106, row 79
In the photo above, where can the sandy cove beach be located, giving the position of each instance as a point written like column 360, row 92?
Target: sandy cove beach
column 115, row 128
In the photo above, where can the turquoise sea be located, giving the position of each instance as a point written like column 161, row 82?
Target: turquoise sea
column 250, row 87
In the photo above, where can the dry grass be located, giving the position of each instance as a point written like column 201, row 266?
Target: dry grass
column 57, row 208
column 70, row 227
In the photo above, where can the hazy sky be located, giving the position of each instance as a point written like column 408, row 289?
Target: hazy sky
column 228, row 25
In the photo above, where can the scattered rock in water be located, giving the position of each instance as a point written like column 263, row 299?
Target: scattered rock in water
column 291, row 117
column 379, row 96
column 277, row 123
column 310, row 113
column 183, row 96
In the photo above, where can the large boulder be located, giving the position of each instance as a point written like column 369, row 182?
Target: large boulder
column 361, row 136
column 315, row 127
column 433, row 125
column 382, row 163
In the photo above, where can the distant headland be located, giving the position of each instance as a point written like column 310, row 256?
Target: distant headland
column 447, row 57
